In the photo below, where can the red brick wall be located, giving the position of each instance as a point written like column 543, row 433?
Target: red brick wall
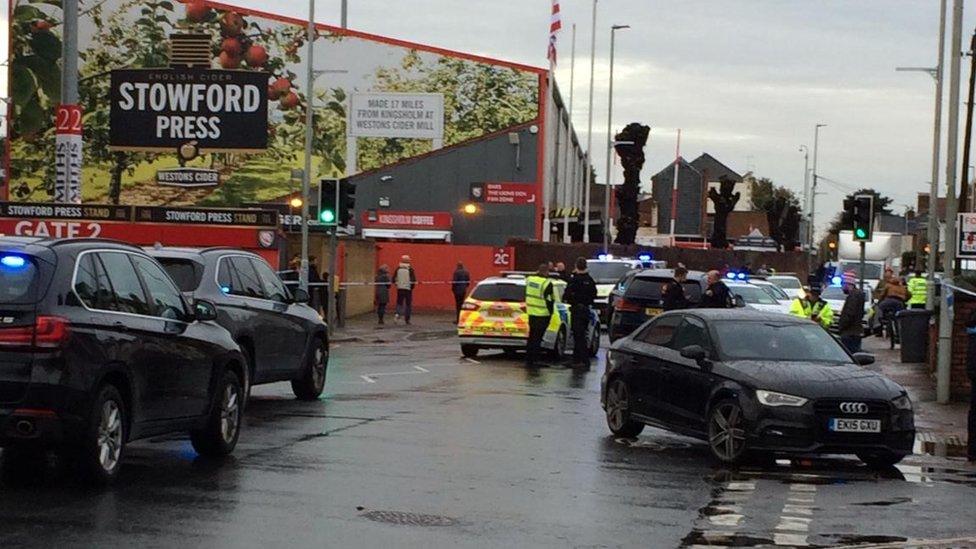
column 959, row 381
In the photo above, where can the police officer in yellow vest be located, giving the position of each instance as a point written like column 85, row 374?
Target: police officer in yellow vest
column 539, row 303
column 918, row 287
column 812, row 307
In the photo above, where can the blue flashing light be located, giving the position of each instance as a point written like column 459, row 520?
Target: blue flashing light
column 603, row 257
column 741, row 276
column 13, row 261
column 225, row 289
column 730, row 276
column 836, row 281
column 644, row 257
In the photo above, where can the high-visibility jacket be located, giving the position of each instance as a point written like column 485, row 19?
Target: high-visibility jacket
column 538, row 296
column 803, row 309
column 918, row 286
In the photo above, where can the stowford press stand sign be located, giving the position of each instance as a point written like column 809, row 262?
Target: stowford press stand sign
column 189, row 111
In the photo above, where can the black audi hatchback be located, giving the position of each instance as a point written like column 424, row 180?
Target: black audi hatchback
column 747, row 381
column 282, row 338
column 99, row 348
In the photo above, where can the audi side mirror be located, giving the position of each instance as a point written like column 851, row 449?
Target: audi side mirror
column 204, row 311
column 694, row 352
column 299, row 295
column 863, row 359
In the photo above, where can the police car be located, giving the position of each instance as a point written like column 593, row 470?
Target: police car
column 494, row 317
column 606, row 271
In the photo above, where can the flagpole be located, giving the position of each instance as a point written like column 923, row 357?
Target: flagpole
column 674, row 186
column 549, row 184
column 570, row 186
column 588, row 176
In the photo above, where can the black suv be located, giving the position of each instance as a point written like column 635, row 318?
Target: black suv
column 98, row 347
column 282, row 338
column 637, row 298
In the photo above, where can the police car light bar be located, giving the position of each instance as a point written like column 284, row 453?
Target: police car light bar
column 644, row 257
column 836, row 281
column 13, row 261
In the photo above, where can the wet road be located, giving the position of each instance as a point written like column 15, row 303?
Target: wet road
column 415, row 447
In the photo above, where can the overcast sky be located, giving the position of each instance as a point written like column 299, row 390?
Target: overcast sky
column 746, row 80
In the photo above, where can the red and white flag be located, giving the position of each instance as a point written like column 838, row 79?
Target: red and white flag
column 555, row 24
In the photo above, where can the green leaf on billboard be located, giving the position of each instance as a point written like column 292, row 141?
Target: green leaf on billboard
column 32, row 117
column 27, row 14
column 46, row 45
column 22, row 84
column 47, row 74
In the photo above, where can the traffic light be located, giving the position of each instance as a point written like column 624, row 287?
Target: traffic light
column 862, row 217
column 337, row 198
column 328, row 198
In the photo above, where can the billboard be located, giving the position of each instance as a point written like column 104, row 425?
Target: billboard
column 428, row 95
column 160, row 110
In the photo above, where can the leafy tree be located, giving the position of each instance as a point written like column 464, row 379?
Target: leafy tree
column 782, row 209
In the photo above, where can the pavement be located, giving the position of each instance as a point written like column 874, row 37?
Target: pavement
column 414, row 446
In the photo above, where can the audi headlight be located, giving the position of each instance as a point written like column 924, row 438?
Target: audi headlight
column 902, row 403
column 770, row 398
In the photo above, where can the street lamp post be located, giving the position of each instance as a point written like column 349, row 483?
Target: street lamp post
column 608, row 178
column 307, row 175
column 932, row 231
column 588, row 165
column 813, row 192
column 806, row 184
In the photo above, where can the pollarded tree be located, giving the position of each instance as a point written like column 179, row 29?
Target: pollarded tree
column 631, row 151
column 725, row 200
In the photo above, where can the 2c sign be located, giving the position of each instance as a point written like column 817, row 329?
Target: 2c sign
column 502, row 257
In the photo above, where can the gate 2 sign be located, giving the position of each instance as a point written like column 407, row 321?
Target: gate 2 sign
column 159, row 110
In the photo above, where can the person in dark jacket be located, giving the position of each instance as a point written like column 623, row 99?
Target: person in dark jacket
column 849, row 324
column 579, row 295
column 717, row 295
column 560, row 272
column 674, row 292
column 383, row 283
column 460, row 283
column 971, row 372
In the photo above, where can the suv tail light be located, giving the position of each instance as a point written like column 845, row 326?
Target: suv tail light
column 627, row 306
column 48, row 332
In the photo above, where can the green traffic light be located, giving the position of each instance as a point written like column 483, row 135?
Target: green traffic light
column 327, row 216
column 861, row 233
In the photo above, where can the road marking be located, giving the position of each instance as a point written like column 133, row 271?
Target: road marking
column 419, row 369
column 368, row 379
column 472, row 361
column 795, row 518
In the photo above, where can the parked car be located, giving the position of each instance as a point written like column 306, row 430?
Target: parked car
column 747, row 381
column 98, row 348
column 638, row 298
column 773, row 290
column 757, row 297
column 789, row 283
column 494, row 317
column 282, row 338
column 607, row 271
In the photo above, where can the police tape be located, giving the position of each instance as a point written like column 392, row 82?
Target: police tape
column 958, row 289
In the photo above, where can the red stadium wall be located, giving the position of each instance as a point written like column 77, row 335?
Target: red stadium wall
column 434, row 265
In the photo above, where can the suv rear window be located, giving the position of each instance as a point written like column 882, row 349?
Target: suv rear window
column 606, row 272
column 510, row 293
column 18, row 279
column 186, row 273
column 651, row 288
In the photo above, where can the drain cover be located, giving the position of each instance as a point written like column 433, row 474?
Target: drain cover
column 408, row 519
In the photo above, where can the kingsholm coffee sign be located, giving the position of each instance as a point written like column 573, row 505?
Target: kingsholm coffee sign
column 188, row 110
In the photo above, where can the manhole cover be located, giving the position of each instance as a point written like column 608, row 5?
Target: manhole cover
column 408, row 519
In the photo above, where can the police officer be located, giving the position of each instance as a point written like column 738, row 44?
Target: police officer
column 717, row 295
column 918, row 287
column 812, row 307
column 674, row 292
column 579, row 294
column 539, row 303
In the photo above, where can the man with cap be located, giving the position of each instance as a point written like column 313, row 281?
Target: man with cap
column 851, row 316
column 405, row 279
column 812, row 307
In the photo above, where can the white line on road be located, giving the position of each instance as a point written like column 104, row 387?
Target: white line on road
column 419, row 369
column 472, row 361
column 368, row 379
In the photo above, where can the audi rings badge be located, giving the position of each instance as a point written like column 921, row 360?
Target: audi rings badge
column 853, row 407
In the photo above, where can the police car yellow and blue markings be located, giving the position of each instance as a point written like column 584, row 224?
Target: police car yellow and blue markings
column 507, row 319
